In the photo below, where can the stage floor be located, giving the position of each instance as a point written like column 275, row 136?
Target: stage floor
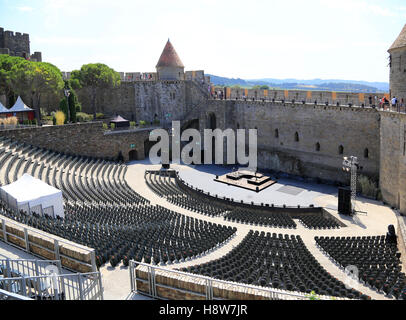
column 285, row 191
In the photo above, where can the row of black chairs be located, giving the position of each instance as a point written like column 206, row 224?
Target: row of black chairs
column 104, row 213
column 376, row 258
column 157, row 235
column 275, row 261
column 314, row 221
column 164, row 183
column 165, row 186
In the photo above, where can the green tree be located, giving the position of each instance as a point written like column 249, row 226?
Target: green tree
column 74, row 81
column 73, row 102
column 96, row 76
column 74, row 106
column 6, row 85
column 63, row 106
column 38, row 79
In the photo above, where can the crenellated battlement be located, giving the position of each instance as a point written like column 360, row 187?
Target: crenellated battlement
column 17, row 44
column 292, row 105
column 197, row 75
column 299, row 96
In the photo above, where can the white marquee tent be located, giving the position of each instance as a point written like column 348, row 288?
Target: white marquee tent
column 19, row 106
column 3, row 109
column 33, row 195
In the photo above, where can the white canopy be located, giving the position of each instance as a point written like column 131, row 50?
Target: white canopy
column 19, row 106
column 33, row 195
column 3, row 109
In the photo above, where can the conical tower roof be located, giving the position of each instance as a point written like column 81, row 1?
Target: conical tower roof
column 400, row 40
column 169, row 57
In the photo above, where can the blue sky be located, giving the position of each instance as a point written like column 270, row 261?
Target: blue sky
column 338, row 39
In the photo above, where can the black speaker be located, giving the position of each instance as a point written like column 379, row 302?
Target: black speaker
column 344, row 201
column 391, row 235
column 165, row 165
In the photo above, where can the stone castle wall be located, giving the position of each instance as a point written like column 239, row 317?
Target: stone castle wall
column 17, row 44
column 343, row 98
column 393, row 159
column 356, row 129
column 87, row 139
column 142, row 100
column 397, row 74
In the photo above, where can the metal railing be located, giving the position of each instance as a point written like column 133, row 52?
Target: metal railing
column 209, row 283
column 56, row 244
column 78, row 286
column 391, row 108
column 5, row 295
column 387, row 107
column 27, row 267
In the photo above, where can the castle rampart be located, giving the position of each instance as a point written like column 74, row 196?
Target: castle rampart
column 86, row 139
column 320, row 97
column 17, row 44
column 321, row 130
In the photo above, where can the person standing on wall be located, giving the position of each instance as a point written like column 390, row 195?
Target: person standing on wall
column 394, row 102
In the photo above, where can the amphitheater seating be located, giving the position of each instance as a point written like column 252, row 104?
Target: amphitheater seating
column 377, row 260
column 275, row 261
column 165, row 186
column 96, row 181
column 260, row 218
column 313, row 221
column 104, row 213
column 150, row 233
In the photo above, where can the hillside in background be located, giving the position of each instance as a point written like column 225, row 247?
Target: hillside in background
column 295, row 84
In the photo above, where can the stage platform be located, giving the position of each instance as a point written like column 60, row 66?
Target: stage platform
column 246, row 179
column 283, row 191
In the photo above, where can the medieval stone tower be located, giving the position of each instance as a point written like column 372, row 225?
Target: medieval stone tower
column 17, row 44
column 397, row 76
column 393, row 132
column 169, row 66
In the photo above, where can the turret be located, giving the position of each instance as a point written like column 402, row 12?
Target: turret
column 169, row 66
column 397, row 62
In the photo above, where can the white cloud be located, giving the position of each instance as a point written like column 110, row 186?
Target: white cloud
column 25, row 8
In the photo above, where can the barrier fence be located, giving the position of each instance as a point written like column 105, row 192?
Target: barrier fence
column 72, row 255
column 159, row 279
column 5, row 295
column 77, row 286
column 27, row 267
